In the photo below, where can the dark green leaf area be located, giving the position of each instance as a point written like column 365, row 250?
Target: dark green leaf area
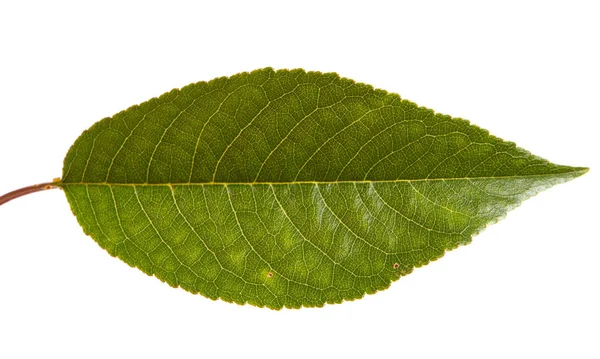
column 287, row 126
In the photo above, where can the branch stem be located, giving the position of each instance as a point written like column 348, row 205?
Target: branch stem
column 26, row 190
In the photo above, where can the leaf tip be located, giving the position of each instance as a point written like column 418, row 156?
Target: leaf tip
column 578, row 171
column 583, row 170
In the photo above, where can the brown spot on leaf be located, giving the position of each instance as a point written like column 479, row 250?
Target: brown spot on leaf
column 396, row 265
column 270, row 275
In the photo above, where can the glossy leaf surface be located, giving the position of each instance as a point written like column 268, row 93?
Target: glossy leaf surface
column 291, row 188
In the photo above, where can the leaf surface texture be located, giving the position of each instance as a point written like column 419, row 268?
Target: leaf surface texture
column 290, row 188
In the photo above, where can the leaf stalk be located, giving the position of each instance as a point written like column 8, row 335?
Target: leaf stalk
column 26, row 190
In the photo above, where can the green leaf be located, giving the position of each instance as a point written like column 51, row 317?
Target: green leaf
column 291, row 188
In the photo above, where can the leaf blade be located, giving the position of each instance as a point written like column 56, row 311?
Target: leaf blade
column 269, row 194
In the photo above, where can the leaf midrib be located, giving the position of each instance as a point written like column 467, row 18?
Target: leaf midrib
column 578, row 171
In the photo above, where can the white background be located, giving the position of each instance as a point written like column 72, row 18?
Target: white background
column 527, row 287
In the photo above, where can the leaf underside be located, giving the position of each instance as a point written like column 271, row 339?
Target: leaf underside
column 290, row 188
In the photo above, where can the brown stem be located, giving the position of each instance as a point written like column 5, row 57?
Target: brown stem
column 26, row 190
